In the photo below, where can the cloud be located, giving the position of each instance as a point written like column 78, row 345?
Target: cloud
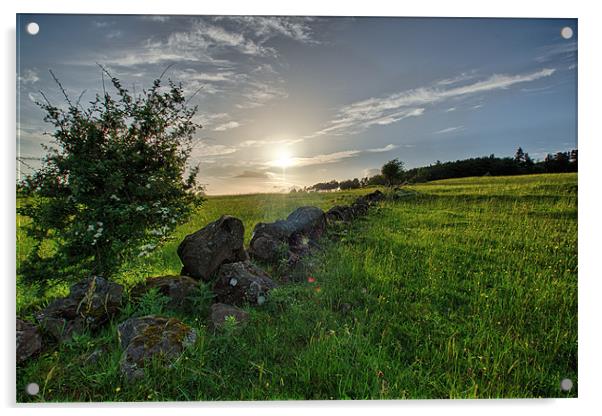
column 387, row 148
column 114, row 34
column 328, row 158
column 203, row 149
column 358, row 116
column 464, row 76
column 367, row 173
column 258, row 94
column 227, row 126
column 253, row 174
column 261, row 143
column 354, row 120
column 209, row 119
column 266, row 27
column 449, row 130
column 450, row 109
column 198, row 44
column 155, row 18
column 559, row 51
column 318, row 159
column 101, row 24
column 29, row 76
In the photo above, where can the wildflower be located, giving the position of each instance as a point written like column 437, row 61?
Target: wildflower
column 318, row 289
column 118, row 389
column 311, row 279
column 379, row 373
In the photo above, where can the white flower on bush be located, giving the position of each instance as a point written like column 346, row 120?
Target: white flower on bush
column 146, row 249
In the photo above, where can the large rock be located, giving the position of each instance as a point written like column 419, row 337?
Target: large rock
column 343, row 213
column 274, row 241
column 309, row 221
column 151, row 337
column 91, row 303
column 178, row 289
column 242, row 282
column 360, row 206
column 221, row 311
column 29, row 340
column 375, row 197
column 204, row 251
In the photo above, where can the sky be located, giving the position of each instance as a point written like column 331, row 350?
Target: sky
column 287, row 102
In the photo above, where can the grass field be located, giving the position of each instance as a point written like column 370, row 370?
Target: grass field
column 466, row 289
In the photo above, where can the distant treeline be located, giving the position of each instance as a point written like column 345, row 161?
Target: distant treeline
column 520, row 164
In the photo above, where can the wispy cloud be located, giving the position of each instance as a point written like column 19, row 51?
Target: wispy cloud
column 449, row 130
column 29, row 76
column 114, row 34
column 318, row 159
column 559, row 51
column 464, row 76
column 266, row 27
column 449, row 110
column 202, row 149
column 255, row 174
column 156, row 18
column 328, row 158
column 261, row 143
column 227, row 126
column 356, row 117
column 387, row 148
column 209, row 119
column 257, row 94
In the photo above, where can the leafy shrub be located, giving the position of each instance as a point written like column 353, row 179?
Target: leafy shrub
column 112, row 185
column 152, row 302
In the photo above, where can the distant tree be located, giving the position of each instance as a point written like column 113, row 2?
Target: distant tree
column 392, row 171
column 349, row 184
column 325, row 186
column 519, row 156
column 112, row 185
column 559, row 162
column 573, row 160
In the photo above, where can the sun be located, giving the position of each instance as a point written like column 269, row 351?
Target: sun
column 284, row 159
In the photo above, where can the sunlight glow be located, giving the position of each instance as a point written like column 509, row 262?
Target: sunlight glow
column 284, row 160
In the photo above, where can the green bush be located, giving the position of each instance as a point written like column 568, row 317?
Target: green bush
column 113, row 183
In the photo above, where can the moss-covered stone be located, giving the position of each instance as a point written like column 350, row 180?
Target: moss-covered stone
column 151, row 337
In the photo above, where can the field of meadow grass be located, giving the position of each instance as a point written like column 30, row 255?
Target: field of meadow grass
column 463, row 288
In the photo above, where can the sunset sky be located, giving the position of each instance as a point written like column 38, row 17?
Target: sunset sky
column 291, row 101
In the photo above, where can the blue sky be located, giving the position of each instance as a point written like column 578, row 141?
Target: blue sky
column 291, row 101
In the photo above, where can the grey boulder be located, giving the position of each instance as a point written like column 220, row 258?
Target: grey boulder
column 219, row 242
column 242, row 282
column 91, row 303
column 151, row 337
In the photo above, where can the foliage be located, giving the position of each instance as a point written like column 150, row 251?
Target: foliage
column 153, row 302
column 392, row 171
column 325, row 186
column 112, row 184
column 521, row 164
column 350, row 184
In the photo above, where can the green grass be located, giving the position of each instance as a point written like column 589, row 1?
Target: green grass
column 467, row 289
